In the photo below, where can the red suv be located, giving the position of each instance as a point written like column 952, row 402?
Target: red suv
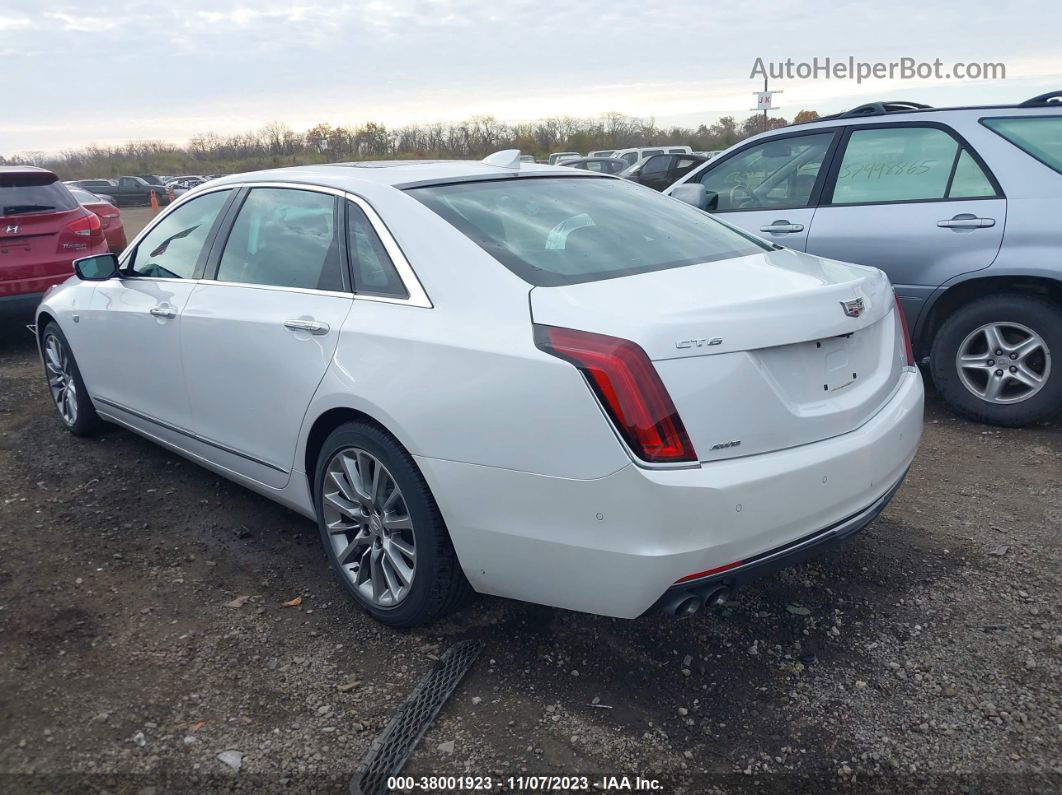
column 43, row 230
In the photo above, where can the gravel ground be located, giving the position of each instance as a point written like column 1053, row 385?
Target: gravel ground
column 147, row 626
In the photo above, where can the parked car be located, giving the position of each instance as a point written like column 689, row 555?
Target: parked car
column 634, row 154
column 127, row 191
column 956, row 205
column 181, row 185
column 601, row 153
column 603, row 165
column 636, row 408
column 42, row 230
column 555, row 156
column 110, row 217
column 660, row 171
column 104, row 188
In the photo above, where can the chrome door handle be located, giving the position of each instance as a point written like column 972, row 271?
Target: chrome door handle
column 782, row 227
column 163, row 311
column 312, row 326
column 967, row 222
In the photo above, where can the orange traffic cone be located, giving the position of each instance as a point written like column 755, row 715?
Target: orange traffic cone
column 154, row 202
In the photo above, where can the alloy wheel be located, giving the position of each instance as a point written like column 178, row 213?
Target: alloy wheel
column 61, row 381
column 369, row 526
column 1003, row 362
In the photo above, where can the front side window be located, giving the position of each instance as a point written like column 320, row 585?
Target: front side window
column 284, row 237
column 1039, row 136
column 374, row 272
column 906, row 164
column 172, row 248
column 552, row 231
column 770, row 175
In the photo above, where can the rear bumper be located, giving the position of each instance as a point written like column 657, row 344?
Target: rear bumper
column 613, row 545
column 775, row 559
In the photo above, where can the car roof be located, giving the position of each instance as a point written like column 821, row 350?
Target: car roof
column 25, row 170
column 394, row 173
column 1051, row 101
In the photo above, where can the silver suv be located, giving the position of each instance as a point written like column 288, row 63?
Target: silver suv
column 959, row 206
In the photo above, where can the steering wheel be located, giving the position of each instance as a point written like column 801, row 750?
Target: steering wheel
column 737, row 200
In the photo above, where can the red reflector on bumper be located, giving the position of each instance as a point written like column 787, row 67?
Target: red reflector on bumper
column 701, row 574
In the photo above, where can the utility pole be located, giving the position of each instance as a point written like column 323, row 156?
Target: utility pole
column 763, row 101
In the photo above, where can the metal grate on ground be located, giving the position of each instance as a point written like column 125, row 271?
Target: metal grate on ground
column 396, row 742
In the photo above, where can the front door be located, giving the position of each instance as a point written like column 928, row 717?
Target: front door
column 257, row 338
column 769, row 188
column 132, row 324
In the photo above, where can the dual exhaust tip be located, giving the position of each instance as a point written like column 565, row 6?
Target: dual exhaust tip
column 687, row 603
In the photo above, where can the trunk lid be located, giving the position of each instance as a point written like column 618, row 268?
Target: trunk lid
column 758, row 353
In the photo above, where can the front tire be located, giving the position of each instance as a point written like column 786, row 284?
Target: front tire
column 992, row 360
column 65, row 384
column 382, row 530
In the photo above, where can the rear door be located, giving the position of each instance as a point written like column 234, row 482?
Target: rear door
column 259, row 335
column 680, row 167
column 654, row 172
column 770, row 187
column 913, row 199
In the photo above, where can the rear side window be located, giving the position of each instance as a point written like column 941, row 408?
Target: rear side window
column 32, row 192
column 557, row 230
column 1039, row 136
column 284, row 237
column 655, row 165
column 891, row 164
column 374, row 272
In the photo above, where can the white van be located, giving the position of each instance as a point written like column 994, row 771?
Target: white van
column 634, row 154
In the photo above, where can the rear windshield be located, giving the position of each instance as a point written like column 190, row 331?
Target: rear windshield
column 1039, row 136
column 32, row 193
column 557, row 230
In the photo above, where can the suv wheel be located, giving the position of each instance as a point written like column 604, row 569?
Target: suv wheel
column 382, row 530
column 992, row 359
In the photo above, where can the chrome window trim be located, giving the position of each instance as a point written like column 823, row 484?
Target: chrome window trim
column 278, row 288
column 417, row 295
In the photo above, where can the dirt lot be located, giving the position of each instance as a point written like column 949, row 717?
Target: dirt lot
column 925, row 655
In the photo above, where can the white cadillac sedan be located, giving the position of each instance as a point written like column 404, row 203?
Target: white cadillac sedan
column 529, row 381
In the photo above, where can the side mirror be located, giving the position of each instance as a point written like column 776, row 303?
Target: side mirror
column 691, row 193
column 96, row 269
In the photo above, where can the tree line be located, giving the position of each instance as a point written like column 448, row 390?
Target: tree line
column 276, row 144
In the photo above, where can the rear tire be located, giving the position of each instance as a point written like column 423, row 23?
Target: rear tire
column 1001, row 388
column 377, row 538
column 65, row 384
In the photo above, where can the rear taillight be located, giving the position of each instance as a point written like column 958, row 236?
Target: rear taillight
column 81, row 233
column 629, row 389
column 906, row 334
column 106, row 216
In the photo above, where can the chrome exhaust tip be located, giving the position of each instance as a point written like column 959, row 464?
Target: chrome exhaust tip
column 687, row 607
column 717, row 598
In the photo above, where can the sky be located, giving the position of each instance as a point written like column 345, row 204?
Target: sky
column 107, row 72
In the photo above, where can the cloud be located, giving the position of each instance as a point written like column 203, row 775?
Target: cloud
column 174, row 69
column 82, row 24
